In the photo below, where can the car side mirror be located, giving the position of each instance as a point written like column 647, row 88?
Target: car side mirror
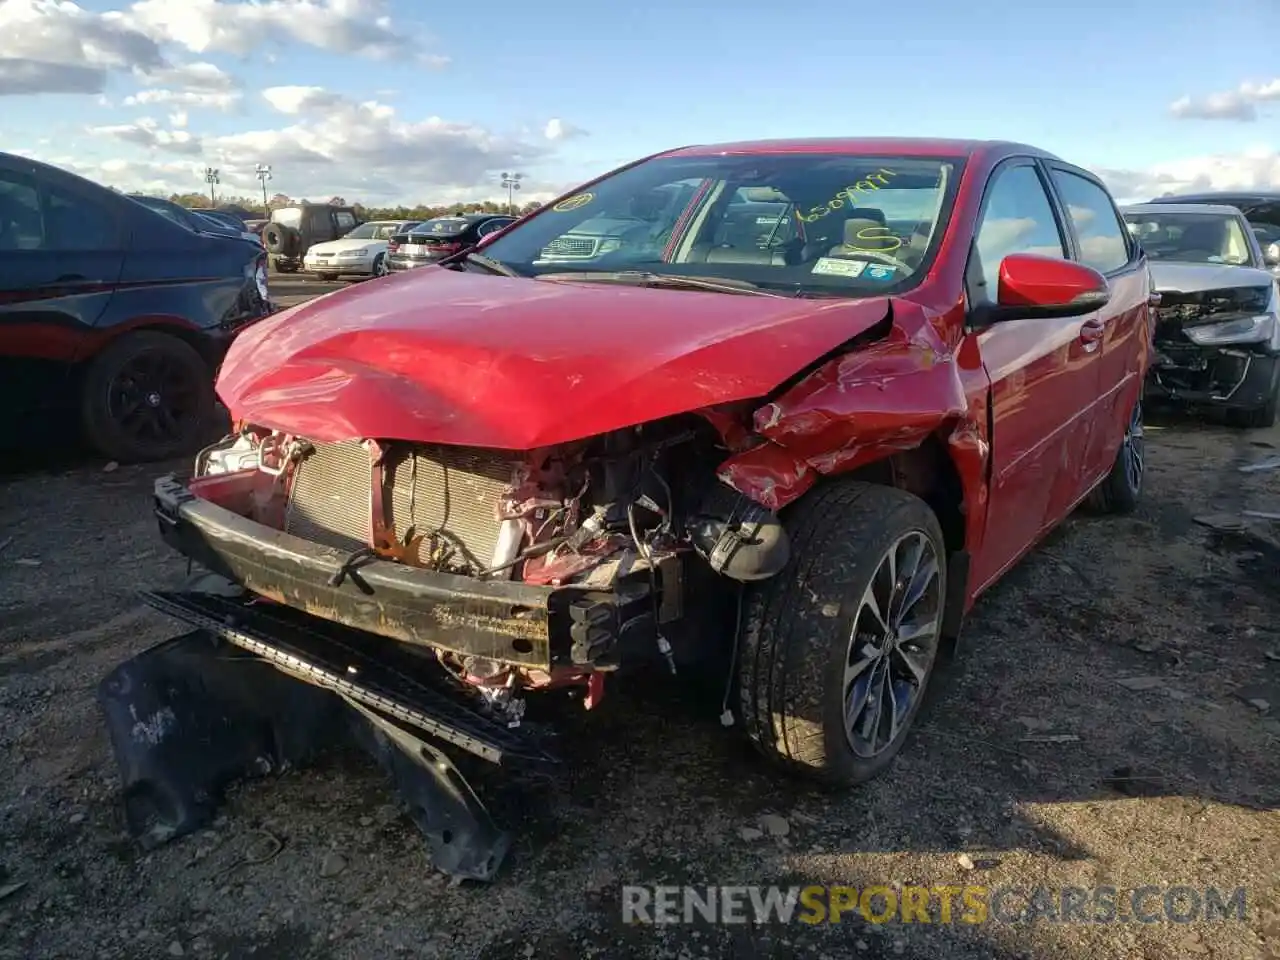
column 1271, row 254
column 1031, row 286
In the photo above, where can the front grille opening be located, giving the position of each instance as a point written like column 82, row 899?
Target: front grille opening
column 447, row 495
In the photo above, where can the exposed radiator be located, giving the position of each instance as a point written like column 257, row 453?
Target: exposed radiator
column 454, row 492
column 330, row 501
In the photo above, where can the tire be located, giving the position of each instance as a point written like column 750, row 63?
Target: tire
column 1121, row 489
column 149, row 396
column 281, row 240
column 380, row 266
column 796, row 637
column 327, row 277
column 273, row 238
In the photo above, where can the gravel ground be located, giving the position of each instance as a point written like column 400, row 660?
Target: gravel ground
column 1172, row 779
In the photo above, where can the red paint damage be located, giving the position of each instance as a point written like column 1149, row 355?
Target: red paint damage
column 599, row 430
column 438, row 356
column 519, row 370
column 883, row 398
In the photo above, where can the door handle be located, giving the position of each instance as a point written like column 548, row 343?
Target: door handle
column 1091, row 333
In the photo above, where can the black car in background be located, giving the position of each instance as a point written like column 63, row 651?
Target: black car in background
column 433, row 240
column 113, row 315
column 197, row 220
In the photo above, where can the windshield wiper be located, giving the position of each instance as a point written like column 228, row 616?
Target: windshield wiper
column 643, row 278
column 488, row 263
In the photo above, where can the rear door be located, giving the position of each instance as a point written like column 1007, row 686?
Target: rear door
column 1101, row 240
column 1044, row 374
column 62, row 247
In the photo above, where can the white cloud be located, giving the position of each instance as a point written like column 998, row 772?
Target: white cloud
column 334, row 145
column 187, row 176
column 185, row 98
column 178, row 119
column 1240, row 104
column 296, row 100
column 1257, row 169
column 148, row 133
column 55, row 46
column 357, row 27
column 193, row 76
column 557, row 129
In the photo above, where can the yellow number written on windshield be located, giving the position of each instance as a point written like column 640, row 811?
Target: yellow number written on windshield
column 850, row 195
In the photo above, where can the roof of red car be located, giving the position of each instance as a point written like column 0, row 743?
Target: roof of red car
column 874, row 146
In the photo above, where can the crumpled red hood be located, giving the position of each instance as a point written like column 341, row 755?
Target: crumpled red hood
column 443, row 356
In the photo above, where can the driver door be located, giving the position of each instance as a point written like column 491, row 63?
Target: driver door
column 1044, row 375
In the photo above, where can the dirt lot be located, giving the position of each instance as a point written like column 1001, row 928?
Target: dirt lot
column 1174, row 782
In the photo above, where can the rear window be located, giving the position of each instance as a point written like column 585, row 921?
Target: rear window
column 448, row 225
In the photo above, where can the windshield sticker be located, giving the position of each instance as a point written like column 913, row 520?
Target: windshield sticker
column 849, row 195
column 839, row 268
column 879, row 272
column 574, row 202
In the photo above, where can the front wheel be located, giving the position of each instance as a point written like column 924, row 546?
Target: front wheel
column 380, row 265
column 838, row 649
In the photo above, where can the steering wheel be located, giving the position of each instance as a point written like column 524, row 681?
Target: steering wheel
column 882, row 257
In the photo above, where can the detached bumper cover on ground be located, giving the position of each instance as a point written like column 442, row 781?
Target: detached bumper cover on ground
column 190, row 715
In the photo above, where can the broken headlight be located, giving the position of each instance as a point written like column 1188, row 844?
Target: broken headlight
column 1257, row 329
column 1262, row 327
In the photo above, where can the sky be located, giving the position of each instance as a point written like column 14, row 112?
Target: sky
column 410, row 101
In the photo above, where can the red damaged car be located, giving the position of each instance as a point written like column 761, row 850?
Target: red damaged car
column 591, row 443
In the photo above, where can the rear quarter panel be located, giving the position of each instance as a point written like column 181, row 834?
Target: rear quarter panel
column 198, row 283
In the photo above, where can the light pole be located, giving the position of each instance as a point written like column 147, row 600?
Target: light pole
column 263, row 173
column 211, row 178
column 512, row 182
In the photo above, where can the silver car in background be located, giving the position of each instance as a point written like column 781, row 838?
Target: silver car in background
column 1217, row 336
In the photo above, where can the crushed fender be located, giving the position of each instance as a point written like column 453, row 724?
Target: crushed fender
column 881, row 398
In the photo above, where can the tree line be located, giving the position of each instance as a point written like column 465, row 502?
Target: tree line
column 248, row 205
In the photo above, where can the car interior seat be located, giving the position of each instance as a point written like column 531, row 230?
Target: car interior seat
column 1203, row 239
column 825, row 235
column 855, row 240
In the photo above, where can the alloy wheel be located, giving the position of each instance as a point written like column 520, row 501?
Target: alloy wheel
column 895, row 640
column 153, row 399
column 1132, row 450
